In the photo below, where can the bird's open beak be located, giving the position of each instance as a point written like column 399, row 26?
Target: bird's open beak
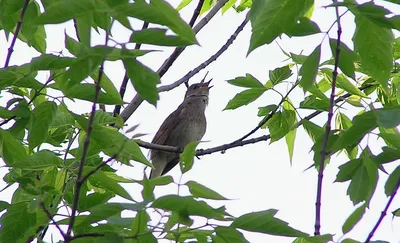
column 207, row 84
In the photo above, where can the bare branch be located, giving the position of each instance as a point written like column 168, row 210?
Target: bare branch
column 324, row 151
column 101, row 165
column 17, row 29
column 124, row 83
column 178, row 51
column 383, row 214
column 52, row 219
column 79, row 182
column 135, row 103
column 267, row 118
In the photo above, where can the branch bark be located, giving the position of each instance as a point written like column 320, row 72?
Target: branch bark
column 324, row 151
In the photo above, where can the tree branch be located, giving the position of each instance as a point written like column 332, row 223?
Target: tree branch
column 238, row 142
column 52, row 220
column 178, row 51
column 135, row 103
column 101, row 165
column 124, row 83
column 318, row 202
column 17, row 29
column 79, row 182
column 383, row 214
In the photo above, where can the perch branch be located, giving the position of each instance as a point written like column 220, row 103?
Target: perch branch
column 122, row 89
column 236, row 143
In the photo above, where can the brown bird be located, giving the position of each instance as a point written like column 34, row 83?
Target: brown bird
column 186, row 124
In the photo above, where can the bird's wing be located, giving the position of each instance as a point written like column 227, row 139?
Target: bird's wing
column 171, row 164
column 168, row 126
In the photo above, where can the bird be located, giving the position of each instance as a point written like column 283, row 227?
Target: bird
column 186, row 124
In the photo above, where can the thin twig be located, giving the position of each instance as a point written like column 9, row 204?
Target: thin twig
column 17, row 29
column 52, row 220
column 101, row 165
column 327, row 129
column 383, row 214
column 135, row 103
column 85, row 150
column 124, row 83
column 267, row 118
column 178, row 51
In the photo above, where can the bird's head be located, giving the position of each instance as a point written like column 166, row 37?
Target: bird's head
column 199, row 89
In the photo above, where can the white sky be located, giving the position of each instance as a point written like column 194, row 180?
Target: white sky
column 257, row 177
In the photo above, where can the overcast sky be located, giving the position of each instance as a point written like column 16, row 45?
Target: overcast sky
column 256, row 177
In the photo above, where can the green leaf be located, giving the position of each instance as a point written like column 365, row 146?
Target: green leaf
column 87, row 92
column 362, row 124
column 347, row 170
column 16, row 222
column 61, row 11
column 315, row 103
column 265, row 222
column 158, row 36
column 264, row 111
column 187, row 206
column 313, row 130
column 269, row 19
column 139, row 225
column 12, row 149
column 4, row 205
column 100, row 212
column 100, row 179
column 279, row 74
column 183, row 4
column 374, row 45
column 392, row 182
column 244, row 98
column 113, row 142
column 90, row 201
column 347, row 58
column 199, row 190
column 187, row 157
column 84, row 27
column 343, row 83
column 354, row 218
column 388, row 117
column 158, row 12
column 388, row 155
column 248, row 82
column 359, row 186
column 230, row 235
column 143, row 79
column 309, row 69
column 304, row 27
column 396, row 213
column 49, row 61
column 40, row 122
column 290, row 137
column 38, row 161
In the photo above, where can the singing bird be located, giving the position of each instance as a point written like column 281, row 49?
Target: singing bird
column 186, row 124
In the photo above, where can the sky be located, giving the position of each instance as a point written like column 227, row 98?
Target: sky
column 255, row 177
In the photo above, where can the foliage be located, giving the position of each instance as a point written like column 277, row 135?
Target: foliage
column 59, row 158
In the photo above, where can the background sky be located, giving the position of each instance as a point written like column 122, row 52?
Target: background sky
column 256, row 177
